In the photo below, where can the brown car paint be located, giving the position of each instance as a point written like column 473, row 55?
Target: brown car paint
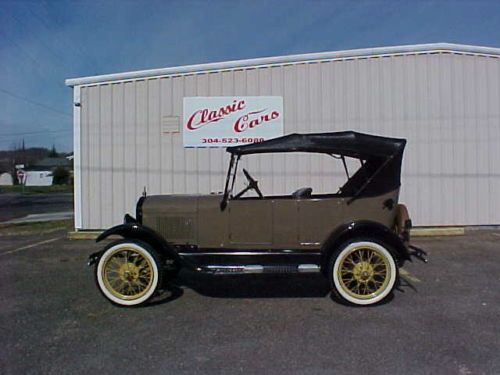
column 282, row 222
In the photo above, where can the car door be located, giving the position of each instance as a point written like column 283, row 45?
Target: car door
column 250, row 222
column 285, row 223
column 318, row 217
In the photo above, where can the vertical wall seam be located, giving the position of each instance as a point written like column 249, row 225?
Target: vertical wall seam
column 172, row 142
column 89, row 140
column 209, row 151
column 184, row 151
column 160, row 137
column 98, row 135
column 135, row 138
column 124, row 195
column 476, row 133
column 148, row 126
column 112, row 134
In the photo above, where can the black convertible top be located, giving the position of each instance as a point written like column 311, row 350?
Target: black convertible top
column 381, row 157
column 347, row 143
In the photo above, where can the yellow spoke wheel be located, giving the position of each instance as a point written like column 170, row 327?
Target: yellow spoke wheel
column 127, row 273
column 363, row 272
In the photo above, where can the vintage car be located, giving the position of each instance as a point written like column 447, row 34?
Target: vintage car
column 356, row 237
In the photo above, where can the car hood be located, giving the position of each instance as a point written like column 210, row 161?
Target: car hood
column 176, row 217
column 170, row 204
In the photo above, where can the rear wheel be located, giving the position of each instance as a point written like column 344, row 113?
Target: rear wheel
column 128, row 272
column 363, row 272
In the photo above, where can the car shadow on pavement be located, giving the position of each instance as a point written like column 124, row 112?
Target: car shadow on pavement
column 168, row 294
column 255, row 286
column 405, row 284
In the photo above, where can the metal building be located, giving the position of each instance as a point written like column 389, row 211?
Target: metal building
column 444, row 98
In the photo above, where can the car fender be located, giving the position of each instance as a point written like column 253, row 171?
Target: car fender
column 136, row 231
column 364, row 228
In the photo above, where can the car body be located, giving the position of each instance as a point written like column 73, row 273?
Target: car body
column 357, row 237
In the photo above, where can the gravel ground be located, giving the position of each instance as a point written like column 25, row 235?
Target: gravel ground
column 445, row 319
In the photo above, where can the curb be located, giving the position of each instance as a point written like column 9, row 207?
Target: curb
column 437, row 231
column 88, row 235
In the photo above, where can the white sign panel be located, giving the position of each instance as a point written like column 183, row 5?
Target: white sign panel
column 222, row 121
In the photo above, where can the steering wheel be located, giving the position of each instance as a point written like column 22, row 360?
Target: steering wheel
column 252, row 184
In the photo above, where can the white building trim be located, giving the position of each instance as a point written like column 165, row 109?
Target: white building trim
column 77, row 166
column 291, row 59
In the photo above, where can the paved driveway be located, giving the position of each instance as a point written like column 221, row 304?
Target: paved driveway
column 15, row 205
column 54, row 321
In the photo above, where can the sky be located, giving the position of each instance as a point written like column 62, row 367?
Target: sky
column 44, row 42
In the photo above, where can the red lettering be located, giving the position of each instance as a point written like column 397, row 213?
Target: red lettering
column 254, row 123
column 213, row 116
column 190, row 124
column 240, row 124
column 203, row 117
column 249, row 120
column 246, row 122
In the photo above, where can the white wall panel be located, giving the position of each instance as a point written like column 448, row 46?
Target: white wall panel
column 445, row 104
column 166, row 139
column 130, row 148
column 177, row 153
column 84, row 159
column 116, row 174
column 154, row 136
column 105, row 162
column 94, row 158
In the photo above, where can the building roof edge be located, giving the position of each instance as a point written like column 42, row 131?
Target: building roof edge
column 282, row 60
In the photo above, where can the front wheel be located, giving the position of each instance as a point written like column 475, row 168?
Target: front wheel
column 127, row 273
column 362, row 272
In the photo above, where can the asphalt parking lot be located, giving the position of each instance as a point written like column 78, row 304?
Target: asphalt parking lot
column 445, row 319
column 16, row 205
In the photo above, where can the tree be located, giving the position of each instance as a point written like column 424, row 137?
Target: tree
column 53, row 153
column 61, row 176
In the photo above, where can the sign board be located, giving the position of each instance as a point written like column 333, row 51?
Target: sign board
column 20, row 175
column 222, row 121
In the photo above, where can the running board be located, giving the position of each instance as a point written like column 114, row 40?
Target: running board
column 255, row 268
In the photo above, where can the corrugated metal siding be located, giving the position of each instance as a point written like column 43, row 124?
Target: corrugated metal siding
column 446, row 105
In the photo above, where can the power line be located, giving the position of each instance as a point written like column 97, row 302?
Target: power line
column 75, row 46
column 35, row 103
column 59, row 58
column 35, row 63
column 36, row 132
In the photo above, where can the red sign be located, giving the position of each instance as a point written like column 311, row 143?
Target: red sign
column 20, row 175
